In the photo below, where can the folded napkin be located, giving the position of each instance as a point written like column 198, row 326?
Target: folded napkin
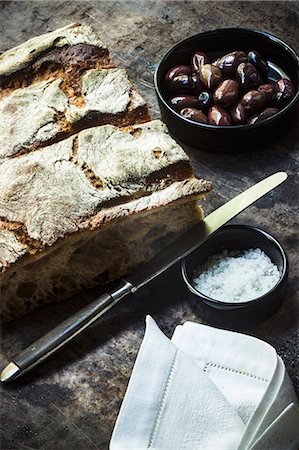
column 207, row 389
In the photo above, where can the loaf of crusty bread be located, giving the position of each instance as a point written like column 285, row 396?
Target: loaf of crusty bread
column 59, row 83
column 81, row 201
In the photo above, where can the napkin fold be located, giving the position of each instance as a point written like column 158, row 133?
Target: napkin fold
column 207, row 388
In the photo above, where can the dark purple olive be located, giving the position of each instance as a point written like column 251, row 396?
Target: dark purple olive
column 198, row 86
column 205, row 100
column 259, row 63
column 181, row 84
column 228, row 63
column 285, row 92
column 238, row 114
column 253, row 101
column 226, row 93
column 218, row 116
column 198, row 60
column 210, row 75
column 269, row 91
column 194, row 114
column 216, row 61
column 177, row 70
column 248, row 77
column 268, row 112
column 183, row 101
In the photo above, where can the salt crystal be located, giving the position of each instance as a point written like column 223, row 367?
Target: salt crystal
column 234, row 276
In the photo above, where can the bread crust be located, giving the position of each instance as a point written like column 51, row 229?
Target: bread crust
column 69, row 186
column 90, row 179
column 27, row 53
column 55, row 85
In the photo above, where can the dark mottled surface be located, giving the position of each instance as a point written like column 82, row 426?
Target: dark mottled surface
column 72, row 401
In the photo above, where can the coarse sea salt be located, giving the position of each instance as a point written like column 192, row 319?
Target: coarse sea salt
column 235, row 276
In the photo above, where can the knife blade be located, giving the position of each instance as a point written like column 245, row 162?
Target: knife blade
column 179, row 249
column 198, row 234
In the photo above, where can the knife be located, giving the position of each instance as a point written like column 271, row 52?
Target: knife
column 179, row 249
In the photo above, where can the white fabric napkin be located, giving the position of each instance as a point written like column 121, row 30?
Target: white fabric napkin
column 209, row 389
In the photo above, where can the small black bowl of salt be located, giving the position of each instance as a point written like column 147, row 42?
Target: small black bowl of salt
column 239, row 276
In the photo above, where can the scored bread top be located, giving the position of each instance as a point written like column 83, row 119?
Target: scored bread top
column 60, row 172
column 42, row 112
column 88, row 180
column 58, row 84
column 10, row 249
column 26, row 53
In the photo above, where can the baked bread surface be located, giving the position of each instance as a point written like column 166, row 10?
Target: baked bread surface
column 27, row 53
column 81, row 200
column 57, row 84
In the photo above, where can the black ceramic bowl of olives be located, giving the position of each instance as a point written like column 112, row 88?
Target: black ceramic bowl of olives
column 231, row 89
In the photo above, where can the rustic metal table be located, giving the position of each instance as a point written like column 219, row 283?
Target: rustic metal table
column 72, row 401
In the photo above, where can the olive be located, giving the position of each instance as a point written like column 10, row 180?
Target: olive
column 285, row 92
column 205, row 100
column 248, row 76
column 269, row 91
column 232, row 89
column 210, row 75
column 253, row 101
column 268, row 112
column 226, row 93
column 218, row 116
column 228, row 63
column 181, row 84
column 198, row 60
column 215, row 62
column 198, row 86
column 177, row 70
column 259, row 63
column 238, row 114
column 194, row 114
column 183, row 101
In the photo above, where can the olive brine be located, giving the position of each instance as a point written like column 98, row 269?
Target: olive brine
column 232, row 90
